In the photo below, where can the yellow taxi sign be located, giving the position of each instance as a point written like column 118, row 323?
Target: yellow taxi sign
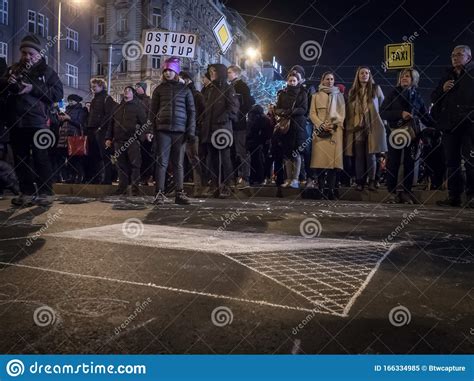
column 222, row 33
column 399, row 56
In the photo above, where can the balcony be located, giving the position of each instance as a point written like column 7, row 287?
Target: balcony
column 120, row 4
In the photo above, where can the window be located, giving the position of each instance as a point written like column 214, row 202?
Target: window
column 123, row 67
column 4, row 12
column 155, row 62
column 72, row 39
column 72, row 74
column 123, row 22
column 31, row 21
column 100, row 68
column 156, row 17
column 100, row 26
column 4, row 50
column 40, row 25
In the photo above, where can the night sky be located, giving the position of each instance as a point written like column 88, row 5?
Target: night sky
column 357, row 32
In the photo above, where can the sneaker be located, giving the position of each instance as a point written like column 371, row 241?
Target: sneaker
column 43, row 200
column 405, row 198
column 309, row 184
column 286, row 184
column 377, row 184
column 295, row 184
column 392, row 199
column 23, row 200
column 181, row 198
column 359, row 187
column 450, row 201
column 160, row 198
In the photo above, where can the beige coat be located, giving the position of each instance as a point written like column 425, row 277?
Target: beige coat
column 376, row 138
column 327, row 153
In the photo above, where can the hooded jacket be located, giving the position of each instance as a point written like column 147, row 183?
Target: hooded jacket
column 245, row 103
column 31, row 110
column 222, row 105
column 172, row 108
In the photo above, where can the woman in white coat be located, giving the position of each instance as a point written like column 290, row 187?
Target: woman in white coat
column 327, row 113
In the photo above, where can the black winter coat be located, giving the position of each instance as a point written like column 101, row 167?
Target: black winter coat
column 172, row 108
column 242, row 92
column 408, row 100
column 457, row 105
column 200, row 106
column 260, row 128
column 101, row 111
column 222, row 108
column 145, row 100
column 293, row 102
column 31, row 110
column 128, row 121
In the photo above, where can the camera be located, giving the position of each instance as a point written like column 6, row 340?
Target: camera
column 17, row 87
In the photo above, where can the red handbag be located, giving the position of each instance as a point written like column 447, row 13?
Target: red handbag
column 77, row 145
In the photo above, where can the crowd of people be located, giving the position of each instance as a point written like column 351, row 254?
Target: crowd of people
column 316, row 139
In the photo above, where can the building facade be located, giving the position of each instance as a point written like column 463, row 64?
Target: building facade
column 41, row 18
column 120, row 22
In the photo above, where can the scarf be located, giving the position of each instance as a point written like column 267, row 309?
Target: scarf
column 334, row 103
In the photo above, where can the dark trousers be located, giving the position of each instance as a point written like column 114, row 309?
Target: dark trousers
column 148, row 160
column 458, row 145
column 98, row 165
column 240, row 155
column 220, row 165
column 279, row 166
column 192, row 152
column 76, row 165
column 128, row 164
column 59, row 164
column 394, row 159
column 365, row 163
column 30, row 171
column 170, row 146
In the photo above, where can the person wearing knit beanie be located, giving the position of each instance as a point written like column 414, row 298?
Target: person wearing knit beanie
column 299, row 69
column 143, row 85
column 31, row 41
column 75, row 98
column 172, row 63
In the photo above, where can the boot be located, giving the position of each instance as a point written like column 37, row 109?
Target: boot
column 135, row 191
column 181, row 198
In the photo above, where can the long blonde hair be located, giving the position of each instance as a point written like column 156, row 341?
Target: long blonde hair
column 356, row 86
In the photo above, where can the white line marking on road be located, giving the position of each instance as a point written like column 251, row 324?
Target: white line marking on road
column 165, row 288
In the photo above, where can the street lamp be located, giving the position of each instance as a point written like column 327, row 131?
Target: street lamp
column 252, row 53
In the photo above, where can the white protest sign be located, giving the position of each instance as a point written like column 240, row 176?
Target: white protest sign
column 178, row 44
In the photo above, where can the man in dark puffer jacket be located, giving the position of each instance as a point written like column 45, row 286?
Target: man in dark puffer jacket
column 174, row 123
column 31, row 87
column 128, row 123
column 222, row 107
